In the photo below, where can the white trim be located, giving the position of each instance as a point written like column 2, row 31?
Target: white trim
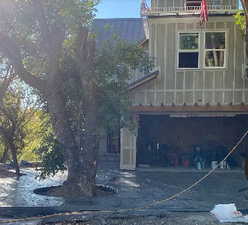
column 201, row 49
column 188, row 50
column 225, row 49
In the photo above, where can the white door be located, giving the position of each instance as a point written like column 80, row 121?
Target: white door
column 128, row 149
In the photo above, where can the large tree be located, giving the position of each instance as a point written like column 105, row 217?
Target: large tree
column 50, row 47
column 15, row 114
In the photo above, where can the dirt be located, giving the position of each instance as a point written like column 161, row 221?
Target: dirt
column 62, row 191
column 5, row 173
column 171, row 219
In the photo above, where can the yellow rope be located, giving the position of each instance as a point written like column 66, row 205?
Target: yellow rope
column 156, row 202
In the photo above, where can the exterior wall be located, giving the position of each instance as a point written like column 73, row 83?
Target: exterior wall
column 193, row 86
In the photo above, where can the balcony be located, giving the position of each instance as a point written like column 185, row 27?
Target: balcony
column 189, row 7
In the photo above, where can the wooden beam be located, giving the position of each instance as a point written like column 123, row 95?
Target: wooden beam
column 239, row 109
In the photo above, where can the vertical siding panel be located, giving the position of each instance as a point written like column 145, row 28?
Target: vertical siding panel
column 169, row 98
column 218, row 97
column 189, row 98
column 155, row 3
column 181, row 26
column 219, row 82
column 209, row 97
column 170, row 70
column 239, row 59
column 209, row 77
column 219, row 79
column 246, row 97
column 210, row 25
column 229, row 78
column 227, row 97
column 161, row 52
column 165, row 61
column 198, row 79
column 246, row 83
column 237, row 97
column 199, row 97
column 160, row 98
column 179, row 80
column 189, row 26
column 153, row 36
column 189, row 80
column 179, row 3
column 179, row 98
column 161, row 3
column 220, row 25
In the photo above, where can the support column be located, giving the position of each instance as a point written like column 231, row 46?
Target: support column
column 128, row 148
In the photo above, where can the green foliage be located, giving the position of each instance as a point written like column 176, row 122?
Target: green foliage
column 116, row 63
column 240, row 21
column 52, row 157
column 36, row 128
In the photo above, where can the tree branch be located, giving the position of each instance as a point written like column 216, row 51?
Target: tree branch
column 10, row 50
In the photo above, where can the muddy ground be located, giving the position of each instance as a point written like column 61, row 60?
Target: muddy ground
column 134, row 189
column 165, row 219
column 168, row 219
column 173, row 220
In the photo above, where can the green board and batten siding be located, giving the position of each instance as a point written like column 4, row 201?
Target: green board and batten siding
column 190, row 86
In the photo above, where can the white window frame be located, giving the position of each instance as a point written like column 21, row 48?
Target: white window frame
column 189, row 50
column 201, row 49
column 223, row 50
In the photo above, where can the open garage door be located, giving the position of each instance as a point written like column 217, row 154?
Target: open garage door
column 196, row 142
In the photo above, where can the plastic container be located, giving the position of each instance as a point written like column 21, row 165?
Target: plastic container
column 214, row 164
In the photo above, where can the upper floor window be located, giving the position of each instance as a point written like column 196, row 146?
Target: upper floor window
column 202, row 50
column 188, row 50
column 215, row 49
column 193, row 4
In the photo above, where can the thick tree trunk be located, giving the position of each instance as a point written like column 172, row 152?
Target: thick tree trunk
column 4, row 156
column 14, row 158
column 80, row 155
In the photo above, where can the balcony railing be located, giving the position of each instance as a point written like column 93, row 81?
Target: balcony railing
column 191, row 7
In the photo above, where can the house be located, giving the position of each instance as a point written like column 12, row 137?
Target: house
column 199, row 95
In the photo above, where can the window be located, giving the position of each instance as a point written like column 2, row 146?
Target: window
column 188, row 50
column 193, row 4
column 203, row 49
column 215, row 49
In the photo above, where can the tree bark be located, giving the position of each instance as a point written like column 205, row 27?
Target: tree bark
column 13, row 151
column 80, row 155
column 4, row 156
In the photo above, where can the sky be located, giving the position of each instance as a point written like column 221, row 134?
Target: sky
column 118, row 9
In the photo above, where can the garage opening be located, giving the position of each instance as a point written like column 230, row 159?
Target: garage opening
column 192, row 142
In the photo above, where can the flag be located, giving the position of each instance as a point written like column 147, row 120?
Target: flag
column 204, row 12
column 143, row 7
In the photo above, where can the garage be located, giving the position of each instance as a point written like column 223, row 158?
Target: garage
column 190, row 141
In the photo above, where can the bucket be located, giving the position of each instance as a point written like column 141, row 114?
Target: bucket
column 223, row 165
column 214, row 164
column 198, row 166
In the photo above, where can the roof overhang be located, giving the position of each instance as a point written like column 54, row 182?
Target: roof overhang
column 146, row 78
column 192, row 111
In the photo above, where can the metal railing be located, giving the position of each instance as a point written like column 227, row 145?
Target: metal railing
column 192, row 7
